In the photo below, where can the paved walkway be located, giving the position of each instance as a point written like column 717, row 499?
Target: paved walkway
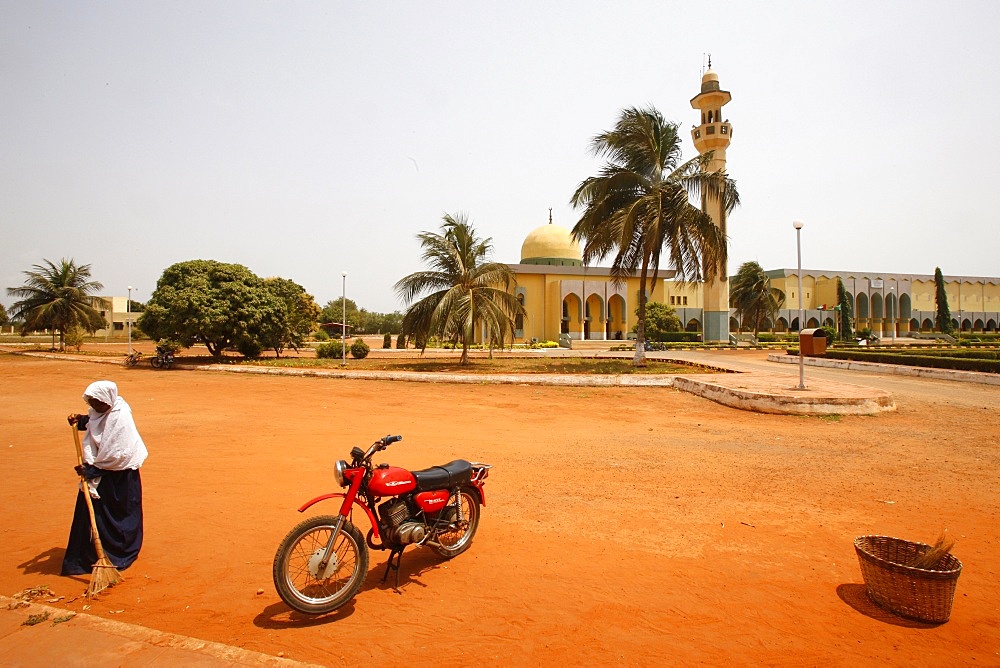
column 62, row 638
column 725, row 381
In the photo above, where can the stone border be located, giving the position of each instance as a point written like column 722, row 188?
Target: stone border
column 893, row 369
column 764, row 399
column 786, row 404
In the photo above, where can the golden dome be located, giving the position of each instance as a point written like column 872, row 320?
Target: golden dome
column 709, row 76
column 551, row 244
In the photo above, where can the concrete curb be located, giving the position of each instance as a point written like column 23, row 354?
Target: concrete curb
column 810, row 402
column 892, row 369
column 754, row 391
column 89, row 640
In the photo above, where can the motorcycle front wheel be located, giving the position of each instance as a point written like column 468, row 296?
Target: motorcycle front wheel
column 155, row 362
column 307, row 586
column 457, row 538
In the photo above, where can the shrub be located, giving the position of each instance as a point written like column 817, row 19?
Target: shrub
column 168, row 345
column 359, row 349
column 321, row 335
column 401, row 341
column 663, row 337
column 250, row 348
column 331, row 350
column 73, row 337
column 387, row 340
column 829, row 332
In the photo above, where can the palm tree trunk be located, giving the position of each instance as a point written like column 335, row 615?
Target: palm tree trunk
column 640, row 330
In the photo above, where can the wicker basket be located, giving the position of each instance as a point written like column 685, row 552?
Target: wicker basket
column 914, row 593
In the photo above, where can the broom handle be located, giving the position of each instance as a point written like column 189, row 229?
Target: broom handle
column 86, row 495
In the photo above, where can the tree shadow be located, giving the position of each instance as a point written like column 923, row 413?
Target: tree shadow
column 46, row 563
column 856, row 596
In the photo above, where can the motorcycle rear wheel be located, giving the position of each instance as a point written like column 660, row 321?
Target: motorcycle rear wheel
column 296, row 564
column 456, row 541
column 155, row 362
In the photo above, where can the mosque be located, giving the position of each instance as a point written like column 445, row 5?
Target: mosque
column 564, row 299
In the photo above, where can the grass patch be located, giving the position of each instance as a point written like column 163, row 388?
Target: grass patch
column 564, row 365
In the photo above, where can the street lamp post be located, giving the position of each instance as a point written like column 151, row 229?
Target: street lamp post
column 343, row 322
column 798, row 250
column 128, row 318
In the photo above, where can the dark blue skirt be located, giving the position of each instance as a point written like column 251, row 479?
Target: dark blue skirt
column 119, row 523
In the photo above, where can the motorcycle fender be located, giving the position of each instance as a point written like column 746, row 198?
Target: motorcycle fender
column 368, row 511
column 482, row 494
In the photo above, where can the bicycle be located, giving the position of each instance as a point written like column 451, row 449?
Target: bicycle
column 132, row 359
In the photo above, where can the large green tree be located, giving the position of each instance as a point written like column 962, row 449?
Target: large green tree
column 334, row 312
column 638, row 207
column 224, row 306
column 943, row 317
column 300, row 316
column 464, row 289
column 58, row 297
column 661, row 319
column 753, row 296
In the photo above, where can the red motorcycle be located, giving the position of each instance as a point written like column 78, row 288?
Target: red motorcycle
column 322, row 562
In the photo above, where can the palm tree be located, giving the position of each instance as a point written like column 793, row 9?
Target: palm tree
column 58, row 297
column 465, row 289
column 638, row 206
column 753, row 297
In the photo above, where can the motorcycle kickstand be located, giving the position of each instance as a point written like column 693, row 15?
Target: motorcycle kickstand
column 397, row 553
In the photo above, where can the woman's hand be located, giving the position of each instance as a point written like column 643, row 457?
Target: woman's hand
column 79, row 420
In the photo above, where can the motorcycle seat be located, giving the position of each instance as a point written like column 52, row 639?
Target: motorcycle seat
column 446, row 476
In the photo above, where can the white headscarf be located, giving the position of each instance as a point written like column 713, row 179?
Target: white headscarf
column 111, row 441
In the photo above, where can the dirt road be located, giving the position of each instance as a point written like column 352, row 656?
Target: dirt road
column 633, row 526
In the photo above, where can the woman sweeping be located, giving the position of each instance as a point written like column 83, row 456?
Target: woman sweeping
column 113, row 451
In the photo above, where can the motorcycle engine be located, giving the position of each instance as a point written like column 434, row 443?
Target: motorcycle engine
column 401, row 527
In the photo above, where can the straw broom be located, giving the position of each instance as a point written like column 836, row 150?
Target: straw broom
column 104, row 574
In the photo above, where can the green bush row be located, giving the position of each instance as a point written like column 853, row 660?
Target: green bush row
column 931, row 361
column 673, row 337
column 334, row 349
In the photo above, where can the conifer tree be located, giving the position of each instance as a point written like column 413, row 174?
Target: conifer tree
column 846, row 312
column 943, row 319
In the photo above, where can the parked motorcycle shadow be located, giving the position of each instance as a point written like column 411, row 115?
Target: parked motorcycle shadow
column 280, row 616
column 414, row 564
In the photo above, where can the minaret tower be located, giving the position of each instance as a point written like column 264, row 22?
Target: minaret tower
column 713, row 135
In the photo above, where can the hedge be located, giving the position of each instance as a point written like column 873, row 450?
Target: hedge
column 931, row 361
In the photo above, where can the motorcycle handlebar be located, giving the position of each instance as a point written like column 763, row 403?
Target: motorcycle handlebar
column 382, row 444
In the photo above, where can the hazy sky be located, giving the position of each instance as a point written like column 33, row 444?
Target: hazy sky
column 303, row 139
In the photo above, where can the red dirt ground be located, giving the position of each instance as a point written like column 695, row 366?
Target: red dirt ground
column 635, row 526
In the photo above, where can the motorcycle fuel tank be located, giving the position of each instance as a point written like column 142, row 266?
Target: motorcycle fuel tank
column 431, row 502
column 392, row 481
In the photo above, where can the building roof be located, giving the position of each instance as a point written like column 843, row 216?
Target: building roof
column 551, row 244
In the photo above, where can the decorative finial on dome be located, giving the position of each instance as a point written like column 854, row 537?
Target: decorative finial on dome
column 550, row 215
column 709, row 61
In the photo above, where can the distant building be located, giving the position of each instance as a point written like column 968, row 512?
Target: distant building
column 117, row 318
column 889, row 304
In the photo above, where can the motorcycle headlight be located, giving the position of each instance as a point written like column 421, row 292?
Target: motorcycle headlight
column 338, row 472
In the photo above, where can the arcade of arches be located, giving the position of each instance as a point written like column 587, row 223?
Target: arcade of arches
column 564, row 299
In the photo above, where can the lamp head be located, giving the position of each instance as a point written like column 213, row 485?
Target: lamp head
column 344, row 274
column 797, row 224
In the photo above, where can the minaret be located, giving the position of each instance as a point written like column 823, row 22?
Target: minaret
column 713, row 135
